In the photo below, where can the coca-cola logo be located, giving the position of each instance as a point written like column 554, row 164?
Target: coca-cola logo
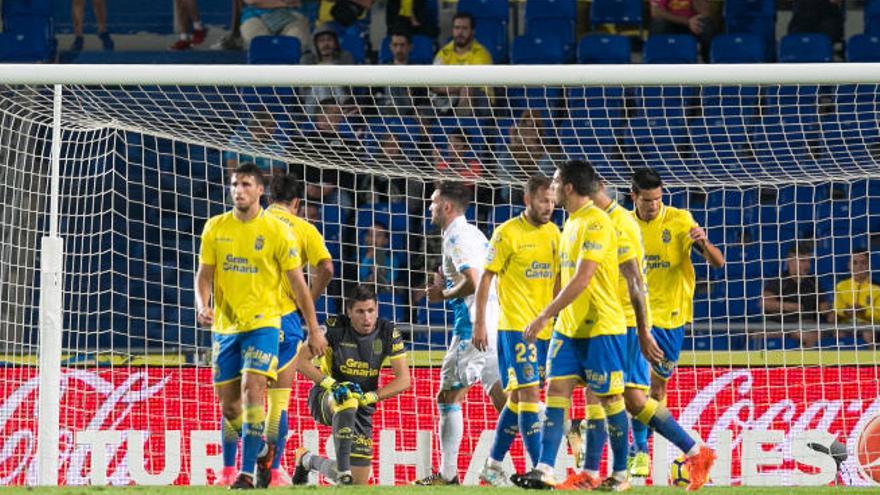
column 868, row 450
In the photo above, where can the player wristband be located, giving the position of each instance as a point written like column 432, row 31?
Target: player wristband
column 327, row 383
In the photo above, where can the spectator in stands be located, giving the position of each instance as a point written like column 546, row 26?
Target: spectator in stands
column 232, row 40
column 188, row 17
column 322, row 187
column 857, row 299
column 818, row 16
column 376, row 263
column 684, row 17
column 794, row 298
column 344, row 12
column 78, row 13
column 396, row 99
column 274, row 18
column 326, row 51
column 460, row 159
column 527, row 153
column 411, row 17
column 312, row 213
column 464, row 49
column 259, row 135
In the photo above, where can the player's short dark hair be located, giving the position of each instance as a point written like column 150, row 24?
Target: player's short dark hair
column 456, row 193
column 536, row 183
column 466, row 15
column 860, row 251
column 358, row 294
column 285, row 188
column 580, row 174
column 251, row 169
column 645, row 179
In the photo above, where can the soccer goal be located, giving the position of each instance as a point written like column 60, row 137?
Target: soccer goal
column 110, row 172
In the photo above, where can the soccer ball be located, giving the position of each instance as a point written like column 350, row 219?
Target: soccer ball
column 678, row 472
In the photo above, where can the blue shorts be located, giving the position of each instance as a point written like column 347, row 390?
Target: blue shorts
column 291, row 335
column 669, row 340
column 636, row 372
column 521, row 364
column 254, row 351
column 597, row 361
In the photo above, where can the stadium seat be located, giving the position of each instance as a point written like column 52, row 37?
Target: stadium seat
column 671, row 49
column 23, row 48
column 485, row 9
column 492, row 34
column 872, row 17
column 749, row 8
column 863, row 48
column 805, row 48
column 274, row 50
column 616, row 12
column 27, row 7
column 422, row 51
column 553, row 17
column 533, row 50
column 604, row 49
column 737, row 49
column 352, row 41
column 757, row 17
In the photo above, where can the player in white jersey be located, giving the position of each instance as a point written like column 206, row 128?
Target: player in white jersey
column 464, row 256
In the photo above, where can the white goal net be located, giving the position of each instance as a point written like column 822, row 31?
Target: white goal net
column 780, row 165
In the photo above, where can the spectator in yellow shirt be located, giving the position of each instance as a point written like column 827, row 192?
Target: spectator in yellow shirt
column 856, row 299
column 462, row 50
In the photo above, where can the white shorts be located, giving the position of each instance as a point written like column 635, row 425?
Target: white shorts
column 463, row 365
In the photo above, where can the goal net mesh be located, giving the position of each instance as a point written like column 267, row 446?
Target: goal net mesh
column 775, row 174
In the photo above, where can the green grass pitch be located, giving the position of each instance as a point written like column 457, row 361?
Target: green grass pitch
column 407, row 490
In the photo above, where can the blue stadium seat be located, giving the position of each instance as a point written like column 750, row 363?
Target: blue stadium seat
column 434, row 314
column 23, row 48
column 390, row 306
column 485, row 9
column 422, row 51
column 27, row 7
column 276, row 50
column 671, row 49
column 757, row 17
column 533, row 50
column 737, row 49
column 492, row 34
column 616, row 12
column 351, row 40
column 863, row 48
column 604, row 49
column 872, row 17
column 553, row 17
column 805, row 48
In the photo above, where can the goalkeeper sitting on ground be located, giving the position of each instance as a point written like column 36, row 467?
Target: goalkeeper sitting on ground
column 347, row 387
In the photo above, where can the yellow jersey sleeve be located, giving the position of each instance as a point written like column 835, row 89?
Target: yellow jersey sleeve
column 499, row 250
column 207, row 252
column 683, row 225
column 315, row 249
column 287, row 252
column 843, row 296
column 629, row 240
column 481, row 55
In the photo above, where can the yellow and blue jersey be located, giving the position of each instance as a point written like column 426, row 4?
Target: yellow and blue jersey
column 525, row 258
column 588, row 235
column 311, row 247
column 670, row 273
column 629, row 247
column 250, row 258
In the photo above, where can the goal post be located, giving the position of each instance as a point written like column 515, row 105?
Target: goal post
column 110, row 172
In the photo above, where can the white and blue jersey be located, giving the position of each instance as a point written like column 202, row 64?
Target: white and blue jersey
column 464, row 247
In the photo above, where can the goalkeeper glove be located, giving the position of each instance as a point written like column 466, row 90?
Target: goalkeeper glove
column 339, row 391
column 368, row 399
column 354, row 387
column 327, row 383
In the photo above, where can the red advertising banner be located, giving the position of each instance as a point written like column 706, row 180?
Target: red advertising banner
column 151, row 425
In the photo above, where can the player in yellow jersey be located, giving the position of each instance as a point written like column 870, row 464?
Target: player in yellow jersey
column 857, row 299
column 633, row 297
column 669, row 234
column 523, row 257
column 286, row 192
column 589, row 337
column 244, row 255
